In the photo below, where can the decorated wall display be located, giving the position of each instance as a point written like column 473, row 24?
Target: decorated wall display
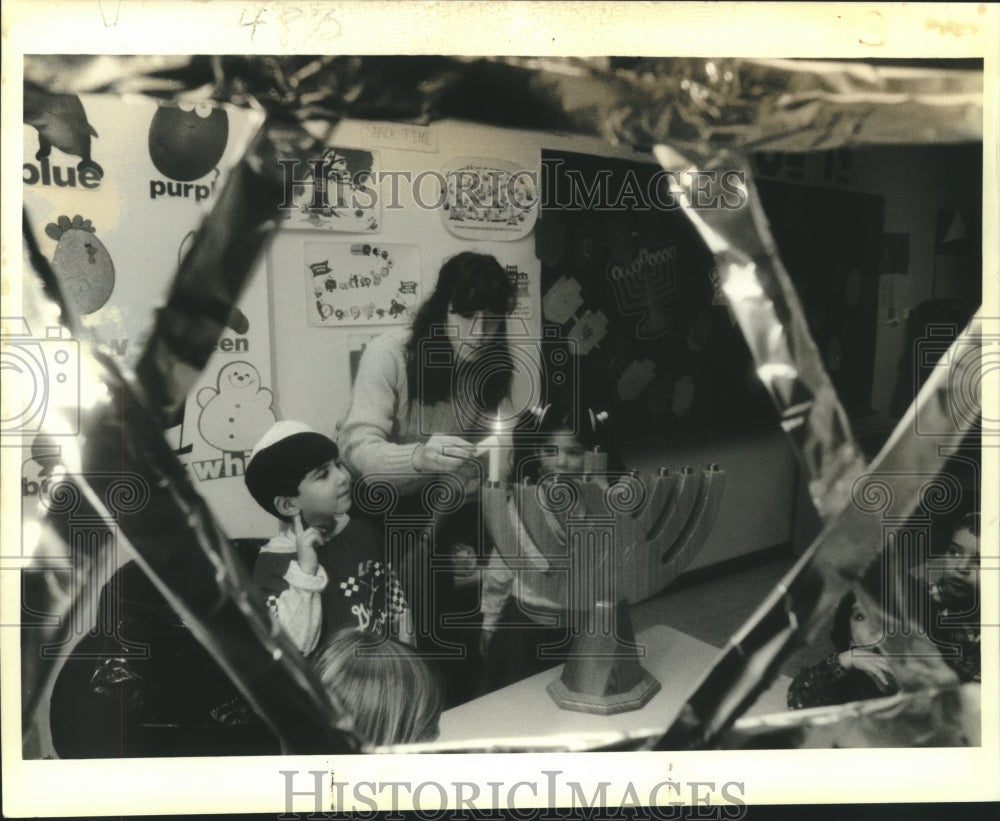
column 632, row 290
column 359, row 283
column 489, row 199
column 114, row 191
column 336, row 192
column 638, row 292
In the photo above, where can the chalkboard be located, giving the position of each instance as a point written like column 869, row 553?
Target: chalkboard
column 632, row 288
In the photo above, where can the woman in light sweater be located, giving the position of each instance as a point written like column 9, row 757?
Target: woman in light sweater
column 422, row 397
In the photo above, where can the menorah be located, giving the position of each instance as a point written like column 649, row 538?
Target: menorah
column 598, row 542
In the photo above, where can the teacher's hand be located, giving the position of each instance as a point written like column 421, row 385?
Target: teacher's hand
column 446, row 454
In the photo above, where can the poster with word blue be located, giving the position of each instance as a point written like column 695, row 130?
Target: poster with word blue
column 114, row 192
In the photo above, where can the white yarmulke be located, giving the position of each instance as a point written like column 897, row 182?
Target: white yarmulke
column 277, row 432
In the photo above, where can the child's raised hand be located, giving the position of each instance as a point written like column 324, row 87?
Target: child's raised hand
column 875, row 666
column 306, row 542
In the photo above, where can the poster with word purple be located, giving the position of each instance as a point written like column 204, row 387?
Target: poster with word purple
column 361, row 283
column 337, row 191
column 114, row 192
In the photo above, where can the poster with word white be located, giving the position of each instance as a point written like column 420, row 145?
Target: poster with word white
column 114, row 192
column 360, row 283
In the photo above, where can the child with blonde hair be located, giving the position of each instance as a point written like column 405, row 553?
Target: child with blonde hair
column 393, row 695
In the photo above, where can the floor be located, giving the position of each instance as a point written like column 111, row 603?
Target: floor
column 714, row 608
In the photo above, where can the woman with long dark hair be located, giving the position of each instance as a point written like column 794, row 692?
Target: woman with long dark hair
column 423, row 397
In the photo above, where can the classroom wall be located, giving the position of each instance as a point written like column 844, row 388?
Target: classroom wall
column 765, row 504
column 310, row 364
column 916, row 183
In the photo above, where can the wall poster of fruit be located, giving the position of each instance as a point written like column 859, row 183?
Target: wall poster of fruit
column 114, row 192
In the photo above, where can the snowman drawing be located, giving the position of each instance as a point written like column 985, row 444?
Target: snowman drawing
column 236, row 414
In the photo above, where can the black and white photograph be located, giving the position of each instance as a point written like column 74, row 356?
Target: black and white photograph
column 498, row 422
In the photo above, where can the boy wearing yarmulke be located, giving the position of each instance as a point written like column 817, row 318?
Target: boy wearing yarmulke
column 324, row 570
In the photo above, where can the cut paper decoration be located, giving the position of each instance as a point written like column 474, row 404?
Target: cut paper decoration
column 635, row 379
column 361, row 283
column 81, row 263
column 337, row 194
column 589, row 330
column 562, row 300
column 489, row 199
column 647, row 286
column 683, row 398
column 237, row 412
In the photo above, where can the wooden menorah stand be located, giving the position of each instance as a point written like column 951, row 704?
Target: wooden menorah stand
column 597, row 543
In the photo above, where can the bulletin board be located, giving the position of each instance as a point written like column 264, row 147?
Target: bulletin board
column 633, row 291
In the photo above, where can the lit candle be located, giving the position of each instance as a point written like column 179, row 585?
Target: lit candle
column 495, row 455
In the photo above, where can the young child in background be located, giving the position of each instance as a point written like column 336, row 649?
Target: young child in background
column 954, row 594
column 393, row 695
column 854, row 671
column 525, row 608
column 324, row 570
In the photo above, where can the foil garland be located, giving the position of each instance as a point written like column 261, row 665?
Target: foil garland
column 708, row 113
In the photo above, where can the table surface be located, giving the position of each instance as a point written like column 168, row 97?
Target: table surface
column 526, row 710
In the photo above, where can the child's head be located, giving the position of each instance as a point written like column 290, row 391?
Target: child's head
column 294, row 469
column 560, row 439
column 393, row 695
column 959, row 579
column 855, row 625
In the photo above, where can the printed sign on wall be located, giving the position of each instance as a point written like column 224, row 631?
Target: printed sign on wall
column 522, row 282
column 360, row 283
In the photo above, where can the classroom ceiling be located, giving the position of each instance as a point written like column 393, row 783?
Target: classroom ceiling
column 703, row 108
